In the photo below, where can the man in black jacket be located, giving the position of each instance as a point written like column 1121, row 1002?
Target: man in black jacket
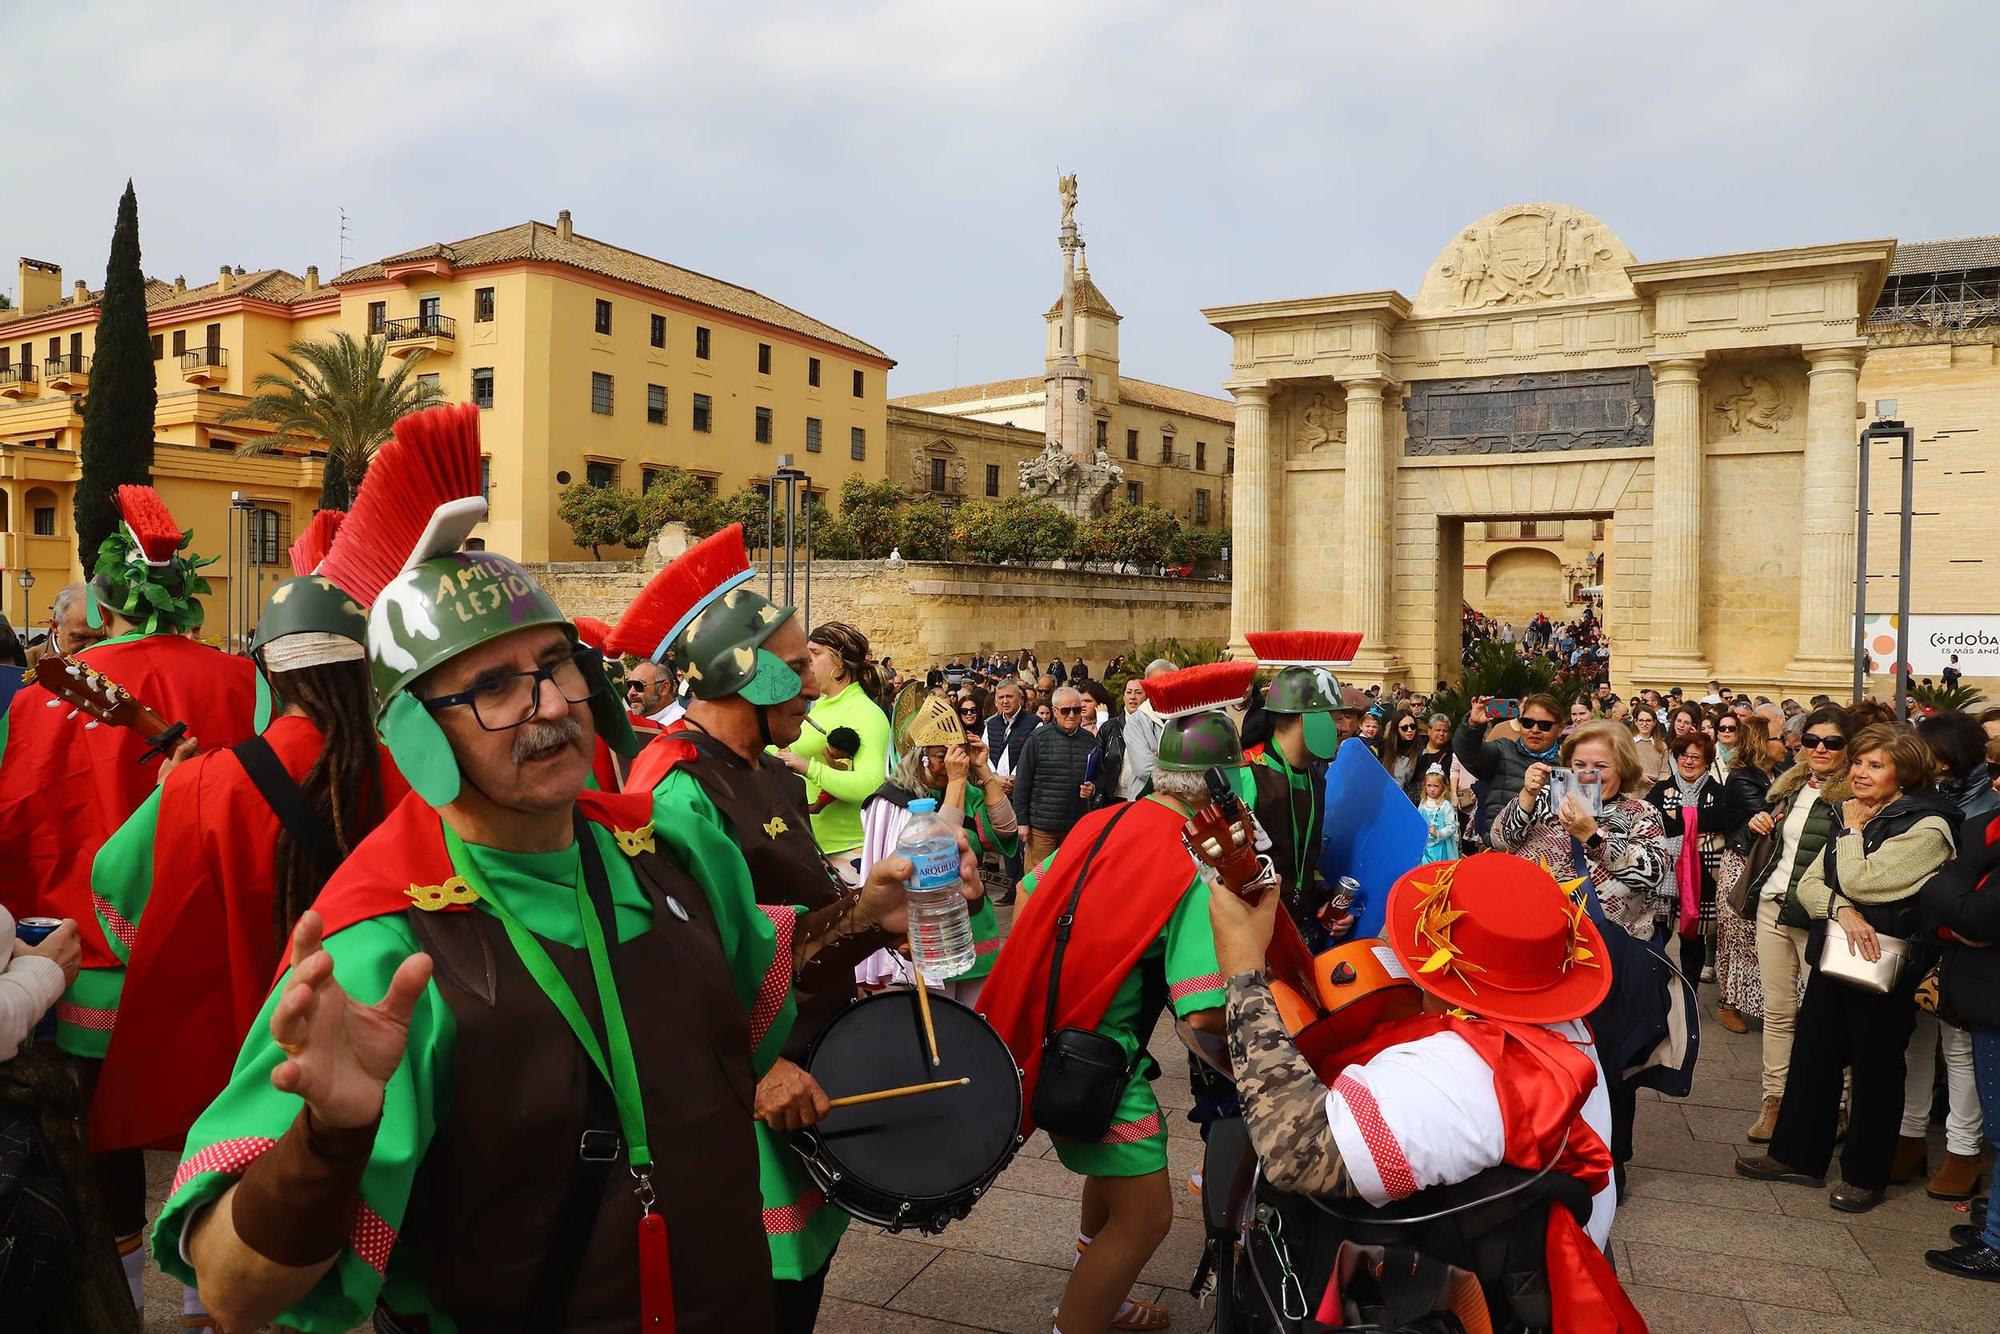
column 1050, row 790
column 1006, row 736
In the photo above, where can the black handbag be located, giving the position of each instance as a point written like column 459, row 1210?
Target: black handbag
column 1084, row 1072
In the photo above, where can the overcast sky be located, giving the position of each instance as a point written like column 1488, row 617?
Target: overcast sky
column 890, row 167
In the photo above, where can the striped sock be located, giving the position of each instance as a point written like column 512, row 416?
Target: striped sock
column 132, row 1257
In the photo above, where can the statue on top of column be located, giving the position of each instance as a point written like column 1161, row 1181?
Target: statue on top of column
column 1066, row 187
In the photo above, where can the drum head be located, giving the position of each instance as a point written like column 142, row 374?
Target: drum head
column 929, row 1146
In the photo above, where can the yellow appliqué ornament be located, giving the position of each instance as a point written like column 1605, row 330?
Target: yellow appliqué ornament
column 453, row 893
column 775, row 826
column 632, row 842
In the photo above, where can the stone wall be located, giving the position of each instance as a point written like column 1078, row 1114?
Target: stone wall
column 920, row 612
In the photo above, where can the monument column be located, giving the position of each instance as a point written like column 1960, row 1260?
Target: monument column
column 1674, row 653
column 1832, row 469
column 1367, row 571
column 1253, row 597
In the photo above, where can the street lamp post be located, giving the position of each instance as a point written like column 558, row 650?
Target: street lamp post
column 1885, row 427
column 27, row 583
column 797, row 520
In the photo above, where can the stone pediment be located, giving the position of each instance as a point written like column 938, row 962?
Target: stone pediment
column 1526, row 255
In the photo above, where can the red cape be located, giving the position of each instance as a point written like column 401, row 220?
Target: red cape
column 1137, row 882
column 201, row 966
column 65, row 788
column 407, row 851
column 662, row 753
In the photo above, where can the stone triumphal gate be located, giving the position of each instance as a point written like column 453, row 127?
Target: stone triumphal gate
column 1705, row 409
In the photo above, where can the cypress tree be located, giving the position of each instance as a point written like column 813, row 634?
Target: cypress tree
column 334, row 492
column 118, row 411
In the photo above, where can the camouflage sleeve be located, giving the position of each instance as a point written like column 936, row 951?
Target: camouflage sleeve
column 1284, row 1102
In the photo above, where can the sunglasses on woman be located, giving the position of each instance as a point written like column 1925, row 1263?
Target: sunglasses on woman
column 1819, row 741
column 1727, row 729
column 1538, row 724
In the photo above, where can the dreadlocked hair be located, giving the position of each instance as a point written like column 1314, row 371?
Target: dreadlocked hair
column 344, row 784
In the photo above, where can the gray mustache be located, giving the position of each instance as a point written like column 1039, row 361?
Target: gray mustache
column 533, row 740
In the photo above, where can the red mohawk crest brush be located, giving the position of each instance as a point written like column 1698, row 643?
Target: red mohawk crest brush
column 146, row 520
column 1304, row 648
column 679, row 593
column 592, row 631
column 312, row 545
column 420, row 499
column 1194, row 689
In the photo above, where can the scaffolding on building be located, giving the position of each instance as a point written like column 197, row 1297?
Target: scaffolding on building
column 1940, row 291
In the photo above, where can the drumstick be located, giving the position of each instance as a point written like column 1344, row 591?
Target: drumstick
column 924, row 1008
column 883, row 1095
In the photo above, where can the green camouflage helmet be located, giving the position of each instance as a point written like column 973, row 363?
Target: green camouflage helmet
column 429, row 615
column 1302, row 690
column 1198, row 742
column 309, row 604
column 722, row 653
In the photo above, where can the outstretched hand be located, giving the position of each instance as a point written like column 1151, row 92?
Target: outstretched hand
column 340, row 1053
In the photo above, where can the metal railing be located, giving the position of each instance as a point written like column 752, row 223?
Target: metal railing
column 21, row 374
column 74, row 363
column 201, row 358
column 420, row 326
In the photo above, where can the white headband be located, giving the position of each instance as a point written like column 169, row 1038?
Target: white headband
column 310, row 648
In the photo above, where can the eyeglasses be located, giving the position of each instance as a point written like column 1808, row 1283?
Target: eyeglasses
column 1538, row 724
column 1074, row 709
column 1816, row 741
column 1407, row 729
column 502, row 703
column 1726, row 729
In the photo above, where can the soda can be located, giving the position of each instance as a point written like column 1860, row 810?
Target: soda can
column 35, row 930
column 1345, row 891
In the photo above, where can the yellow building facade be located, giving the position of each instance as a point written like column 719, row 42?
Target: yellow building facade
column 593, row 363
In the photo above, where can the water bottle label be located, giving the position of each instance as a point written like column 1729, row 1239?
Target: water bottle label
column 934, row 870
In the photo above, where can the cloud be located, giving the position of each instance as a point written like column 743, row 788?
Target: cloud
column 888, row 166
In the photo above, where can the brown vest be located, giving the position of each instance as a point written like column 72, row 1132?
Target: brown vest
column 786, row 867
column 493, row 1178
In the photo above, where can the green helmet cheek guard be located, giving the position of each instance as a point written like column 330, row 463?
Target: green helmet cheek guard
column 774, row 682
column 1322, row 735
column 261, row 719
column 614, row 725
column 420, row 749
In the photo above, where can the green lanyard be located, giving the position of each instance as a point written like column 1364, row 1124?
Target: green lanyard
column 1294, row 781
column 623, row 1073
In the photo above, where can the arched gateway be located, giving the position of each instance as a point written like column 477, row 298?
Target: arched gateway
column 1706, row 407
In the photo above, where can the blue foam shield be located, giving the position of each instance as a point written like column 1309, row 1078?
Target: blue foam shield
column 1373, row 832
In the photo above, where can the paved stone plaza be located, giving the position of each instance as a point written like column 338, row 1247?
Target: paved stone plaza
column 1702, row 1250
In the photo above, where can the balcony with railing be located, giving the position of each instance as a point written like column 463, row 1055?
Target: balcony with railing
column 433, row 334
column 205, row 366
column 67, row 375
column 19, row 382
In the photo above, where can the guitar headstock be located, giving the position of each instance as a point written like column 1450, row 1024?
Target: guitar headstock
column 92, row 694
column 1222, row 836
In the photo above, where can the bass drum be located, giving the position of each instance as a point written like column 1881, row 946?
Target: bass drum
column 920, row 1161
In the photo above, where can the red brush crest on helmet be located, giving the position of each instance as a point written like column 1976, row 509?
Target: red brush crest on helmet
column 697, row 577
column 1304, row 648
column 313, row 544
column 592, row 631
column 1193, row 689
column 146, row 519
column 420, row 499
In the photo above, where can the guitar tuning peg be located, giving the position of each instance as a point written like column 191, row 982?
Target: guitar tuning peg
column 53, row 704
column 89, row 725
column 71, row 714
column 74, row 670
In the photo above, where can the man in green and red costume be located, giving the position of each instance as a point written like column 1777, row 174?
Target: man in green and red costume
column 1139, row 940
column 66, row 785
column 1289, row 773
column 506, row 1079
column 747, row 686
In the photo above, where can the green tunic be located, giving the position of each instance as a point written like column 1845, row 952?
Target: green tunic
column 249, row 1115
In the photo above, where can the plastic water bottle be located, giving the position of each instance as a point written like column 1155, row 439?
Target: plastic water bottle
column 940, row 928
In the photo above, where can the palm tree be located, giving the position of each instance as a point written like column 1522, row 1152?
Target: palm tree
column 334, row 391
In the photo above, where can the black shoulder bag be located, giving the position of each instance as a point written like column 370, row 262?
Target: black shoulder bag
column 1083, row 1072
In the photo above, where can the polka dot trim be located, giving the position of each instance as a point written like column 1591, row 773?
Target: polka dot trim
column 229, row 1155
column 82, row 1016
column 794, row 1216
column 1398, row 1179
column 777, row 983
column 1131, row 1132
column 125, row 933
column 372, row 1238
column 1194, row 986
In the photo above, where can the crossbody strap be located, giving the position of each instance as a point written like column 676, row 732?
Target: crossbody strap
column 288, row 801
column 1068, row 917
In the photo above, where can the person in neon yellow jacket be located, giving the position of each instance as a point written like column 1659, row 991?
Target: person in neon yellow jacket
column 848, row 684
